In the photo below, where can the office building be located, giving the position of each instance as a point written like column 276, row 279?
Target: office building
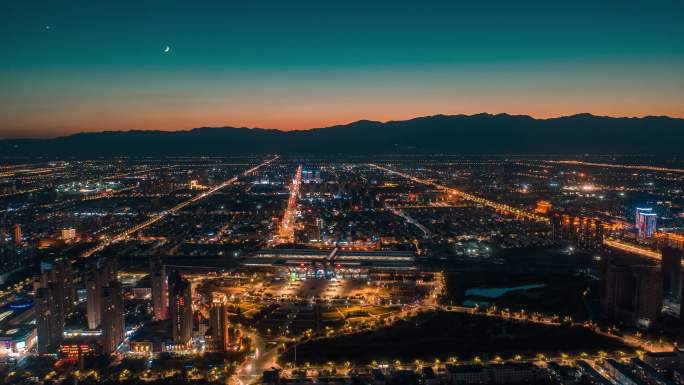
column 645, row 222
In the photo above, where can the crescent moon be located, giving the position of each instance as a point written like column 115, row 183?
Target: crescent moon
column 167, row 49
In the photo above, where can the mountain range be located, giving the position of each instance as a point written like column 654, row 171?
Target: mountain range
column 447, row 134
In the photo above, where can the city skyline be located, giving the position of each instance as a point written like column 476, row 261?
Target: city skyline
column 75, row 66
column 273, row 269
column 342, row 192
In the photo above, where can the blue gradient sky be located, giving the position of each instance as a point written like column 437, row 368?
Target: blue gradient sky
column 302, row 64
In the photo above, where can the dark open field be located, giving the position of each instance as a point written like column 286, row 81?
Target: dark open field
column 445, row 334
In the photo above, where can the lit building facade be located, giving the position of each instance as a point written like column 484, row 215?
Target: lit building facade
column 17, row 341
column 645, row 222
column 180, row 309
column 68, row 234
column 585, row 232
column 16, row 234
column 218, row 325
column 75, row 349
column 93, row 300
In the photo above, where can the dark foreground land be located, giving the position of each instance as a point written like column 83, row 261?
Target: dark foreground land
column 445, row 334
column 553, row 293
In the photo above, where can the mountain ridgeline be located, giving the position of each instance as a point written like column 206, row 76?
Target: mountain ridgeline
column 455, row 134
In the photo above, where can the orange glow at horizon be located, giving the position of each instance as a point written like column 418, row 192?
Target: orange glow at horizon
column 300, row 116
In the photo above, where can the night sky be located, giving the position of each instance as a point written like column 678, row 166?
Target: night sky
column 70, row 66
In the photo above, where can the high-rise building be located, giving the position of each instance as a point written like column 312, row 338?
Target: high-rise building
column 312, row 231
column 16, row 234
column 3, row 230
column 43, row 317
column 112, row 316
column 63, row 275
column 649, row 296
column 218, row 325
column 160, row 289
column 673, row 280
column 55, row 295
column 180, row 309
column 645, row 222
column 671, row 267
column 49, row 318
column 585, row 232
column 617, row 294
column 109, row 270
column 39, row 281
column 632, row 293
column 97, row 278
column 93, row 297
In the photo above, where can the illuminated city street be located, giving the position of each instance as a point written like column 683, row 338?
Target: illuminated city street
column 286, row 228
column 288, row 256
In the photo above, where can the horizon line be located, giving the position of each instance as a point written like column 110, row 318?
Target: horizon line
column 339, row 124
